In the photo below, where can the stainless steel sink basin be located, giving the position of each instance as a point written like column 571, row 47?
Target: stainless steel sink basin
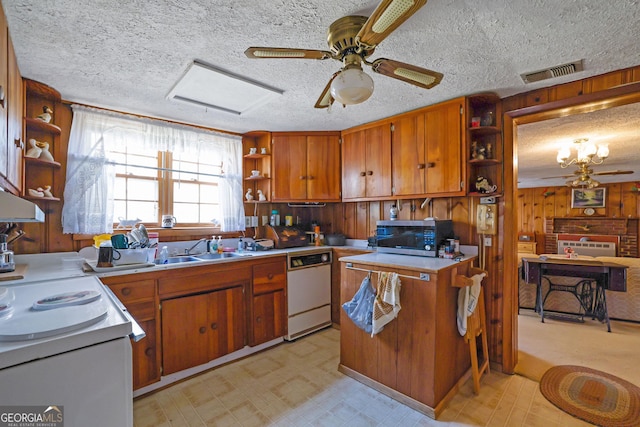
column 223, row 255
column 178, row 259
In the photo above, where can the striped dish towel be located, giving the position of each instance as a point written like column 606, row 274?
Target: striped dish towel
column 387, row 303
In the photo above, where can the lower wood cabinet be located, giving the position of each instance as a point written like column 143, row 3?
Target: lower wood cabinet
column 200, row 328
column 269, row 317
column 139, row 296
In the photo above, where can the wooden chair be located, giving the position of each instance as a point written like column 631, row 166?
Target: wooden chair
column 476, row 326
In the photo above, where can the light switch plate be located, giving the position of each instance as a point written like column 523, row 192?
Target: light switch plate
column 265, row 220
column 254, row 221
column 247, row 221
column 487, row 241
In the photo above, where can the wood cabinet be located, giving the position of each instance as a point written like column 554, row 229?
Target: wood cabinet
column 420, row 354
column 366, row 162
column 484, row 142
column 260, row 142
column 426, row 151
column 138, row 294
column 268, row 312
column 200, row 328
column 306, row 167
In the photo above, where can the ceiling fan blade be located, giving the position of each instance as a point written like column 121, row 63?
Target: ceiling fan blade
column 406, row 72
column 326, row 99
column 282, row 52
column 616, row 172
column 558, row 176
column 388, row 16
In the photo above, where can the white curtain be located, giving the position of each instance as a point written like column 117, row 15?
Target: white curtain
column 88, row 193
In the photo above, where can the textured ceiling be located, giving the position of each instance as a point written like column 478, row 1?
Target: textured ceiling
column 127, row 55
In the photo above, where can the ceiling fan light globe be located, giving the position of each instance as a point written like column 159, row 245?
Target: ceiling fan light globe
column 352, row 86
column 603, row 151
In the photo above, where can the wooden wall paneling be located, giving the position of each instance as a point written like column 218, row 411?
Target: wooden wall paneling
column 604, row 81
column 362, row 220
column 537, row 97
column 629, row 199
column 566, row 90
column 349, row 220
column 59, row 242
column 613, row 202
column 375, row 213
column 4, row 150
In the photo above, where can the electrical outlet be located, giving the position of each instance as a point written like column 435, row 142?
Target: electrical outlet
column 254, row 221
column 487, row 241
column 247, row 221
column 265, row 220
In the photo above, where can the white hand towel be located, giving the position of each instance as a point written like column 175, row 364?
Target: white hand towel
column 467, row 302
column 387, row 303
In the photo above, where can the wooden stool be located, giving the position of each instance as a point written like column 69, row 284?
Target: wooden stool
column 476, row 326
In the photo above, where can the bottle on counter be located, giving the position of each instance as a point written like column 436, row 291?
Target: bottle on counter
column 220, row 248
column 163, row 258
column 393, row 213
column 241, row 245
column 288, row 220
column 275, row 218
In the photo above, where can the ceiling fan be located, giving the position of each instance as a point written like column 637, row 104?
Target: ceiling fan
column 352, row 39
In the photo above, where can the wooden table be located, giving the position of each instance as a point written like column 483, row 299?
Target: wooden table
column 606, row 275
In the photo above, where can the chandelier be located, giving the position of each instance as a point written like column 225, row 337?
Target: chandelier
column 588, row 154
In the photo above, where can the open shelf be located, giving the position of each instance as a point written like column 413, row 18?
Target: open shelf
column 44, row 163
column 45, row 199
column 37, row 124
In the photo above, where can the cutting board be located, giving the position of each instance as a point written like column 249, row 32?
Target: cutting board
column 17, row 274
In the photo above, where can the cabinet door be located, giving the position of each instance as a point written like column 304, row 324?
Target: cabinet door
column 323, row 168
column 269, row 317
column 378, row 161
column 289, row 154
column 4, row 142
column 14, row 121
column 408, row 156
column 226, row 321
column 185, row 327
column 354, row 166
column 146, row 369
column 443, row 137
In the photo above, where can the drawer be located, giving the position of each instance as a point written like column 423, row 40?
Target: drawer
column 527, row 247
column 132, row 291
column 269, row 277
column 142, row 310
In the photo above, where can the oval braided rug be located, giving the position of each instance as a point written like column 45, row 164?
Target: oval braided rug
column 593, row 396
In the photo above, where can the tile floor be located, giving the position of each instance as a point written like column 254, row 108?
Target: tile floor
column 297, row 384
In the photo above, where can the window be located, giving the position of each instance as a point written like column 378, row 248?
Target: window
column 126, row 167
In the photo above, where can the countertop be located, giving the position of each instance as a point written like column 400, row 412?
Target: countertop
column 61, row 265
column 417, row 263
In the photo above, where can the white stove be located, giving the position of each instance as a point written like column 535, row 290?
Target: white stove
column 65, row 342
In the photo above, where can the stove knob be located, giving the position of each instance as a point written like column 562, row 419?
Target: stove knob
column 427, row 247
column 324, row 258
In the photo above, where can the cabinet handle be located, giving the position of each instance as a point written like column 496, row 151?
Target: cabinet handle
column 126, row 291
column 258, row 319
column 310, row 177
column 421, row 165
column 303, row 177
column 270, row 276
column 202, row 329
column 431, row 165
column 148, row 352
column 19, row 143
column 363, row 173
column 369, row 173
column 214, row 326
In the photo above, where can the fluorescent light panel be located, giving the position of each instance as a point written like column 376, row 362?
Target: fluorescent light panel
column 207, row 86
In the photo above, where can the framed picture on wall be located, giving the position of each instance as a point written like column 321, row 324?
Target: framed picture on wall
column 588, row 198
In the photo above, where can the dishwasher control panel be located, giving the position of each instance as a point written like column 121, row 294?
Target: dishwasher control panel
column 309, row 260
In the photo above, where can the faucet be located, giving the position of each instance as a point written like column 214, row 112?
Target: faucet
column 188, row 251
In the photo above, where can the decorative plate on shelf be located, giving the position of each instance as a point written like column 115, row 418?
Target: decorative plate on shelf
column 589, row 211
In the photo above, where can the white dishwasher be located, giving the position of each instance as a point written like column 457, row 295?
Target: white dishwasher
column 308, row 292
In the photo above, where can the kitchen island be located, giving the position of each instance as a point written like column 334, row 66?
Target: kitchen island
column 419, row 358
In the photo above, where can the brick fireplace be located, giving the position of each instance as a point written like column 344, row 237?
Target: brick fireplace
column 622, row 231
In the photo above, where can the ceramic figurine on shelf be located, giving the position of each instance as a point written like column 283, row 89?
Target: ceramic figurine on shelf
column 45, row 154
column 35, row 193
column 46, row 191
column 34, row 151
column 261, row 196
column 249, row 196
column 46, row 114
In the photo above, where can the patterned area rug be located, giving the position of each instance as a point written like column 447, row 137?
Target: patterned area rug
column 593, row 396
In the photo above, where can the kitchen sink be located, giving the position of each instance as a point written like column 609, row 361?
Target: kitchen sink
column 223, row 255
column 177, row 259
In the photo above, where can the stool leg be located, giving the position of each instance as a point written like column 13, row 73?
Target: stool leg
column 474, row 364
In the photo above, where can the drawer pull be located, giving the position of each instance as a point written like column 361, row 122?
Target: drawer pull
column 202, row 329
column 369, row 173
column 126, row 291
column 258, row 319
column 363, row 173
column 148, row 352
column 270, row 276
column 214, row 326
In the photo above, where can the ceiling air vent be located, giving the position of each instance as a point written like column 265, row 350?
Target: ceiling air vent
column 549, row 73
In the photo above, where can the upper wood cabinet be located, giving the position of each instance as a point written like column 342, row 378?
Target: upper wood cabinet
column 306, row 167
column 366, row 162
column 426, row 151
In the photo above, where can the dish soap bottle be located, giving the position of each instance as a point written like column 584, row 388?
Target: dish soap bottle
column 163, row 258
column 220, row 247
